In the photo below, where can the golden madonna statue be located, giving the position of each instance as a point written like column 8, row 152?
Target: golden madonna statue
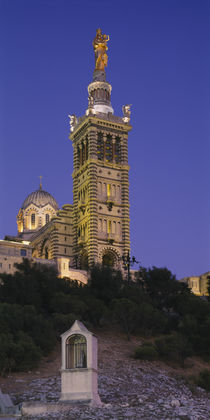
column 100, row 48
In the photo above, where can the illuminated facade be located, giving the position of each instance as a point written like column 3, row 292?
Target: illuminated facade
column 198, row 284
column 95, row 229
column 36, row 211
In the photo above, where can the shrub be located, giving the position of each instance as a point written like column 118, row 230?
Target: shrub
column 97, row 312
column 151, row 320
column 7, row 361
column 105, row 283
column 203, row 380
column 18, row 353
column 146, row 352
column 26, row 353
column 127, row 314
column 173, row 347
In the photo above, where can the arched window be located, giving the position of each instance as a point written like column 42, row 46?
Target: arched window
column 100, row 146
column 33, row 219
column 46, row 253
column 109, row 148
column 76, row 352
column 117, row 150
column 108, row 259
column 86, row 157
column 47, row 218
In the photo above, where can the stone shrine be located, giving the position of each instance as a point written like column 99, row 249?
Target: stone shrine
column 79, row 375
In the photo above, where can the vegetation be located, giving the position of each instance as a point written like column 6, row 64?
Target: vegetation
column 146, row 352
column 36, row 307
column 203, row 379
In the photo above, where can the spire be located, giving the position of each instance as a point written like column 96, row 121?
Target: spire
column 40, row 182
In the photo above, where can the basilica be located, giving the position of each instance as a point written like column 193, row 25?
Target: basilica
column 95, row 228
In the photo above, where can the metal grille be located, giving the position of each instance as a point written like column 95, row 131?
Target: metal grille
column 76, row 352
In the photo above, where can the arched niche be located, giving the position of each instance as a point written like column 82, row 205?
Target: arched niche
column 76, row 352
column 109, row 259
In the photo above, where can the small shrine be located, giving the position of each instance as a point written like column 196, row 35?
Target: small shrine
column 79, row 375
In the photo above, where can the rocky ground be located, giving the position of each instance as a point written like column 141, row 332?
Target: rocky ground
column 129, row 388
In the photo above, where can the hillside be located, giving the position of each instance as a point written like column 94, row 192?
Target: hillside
column 129, row 388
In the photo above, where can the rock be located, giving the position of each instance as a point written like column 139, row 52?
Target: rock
column 175, row 403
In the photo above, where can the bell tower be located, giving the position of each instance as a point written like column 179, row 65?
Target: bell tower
column 100, row 175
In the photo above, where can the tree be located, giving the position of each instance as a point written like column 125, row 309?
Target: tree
column 105, row 283
column 163, row 288
column 32, row 284
column 126, row 312
column 208, row 287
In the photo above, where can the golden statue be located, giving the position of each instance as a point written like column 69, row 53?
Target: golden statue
column 100, row 48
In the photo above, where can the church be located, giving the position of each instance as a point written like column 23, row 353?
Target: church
column 95, row 228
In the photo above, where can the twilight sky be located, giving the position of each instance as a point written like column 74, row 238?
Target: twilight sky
column 159, row 61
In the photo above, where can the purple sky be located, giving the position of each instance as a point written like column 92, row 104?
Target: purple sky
column 159, row 61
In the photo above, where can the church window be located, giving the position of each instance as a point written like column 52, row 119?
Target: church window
column 64, row 250
column 78, row 155
column 108, row 190
column 33, row 219
column 109, row 148
column 119, row 229
column 117, row 150
column 9, row 265
column 76, row 352
column 46, row 254
column 47, row 218
column 0, row 265
column 23, row 252
column 109, row 226
column 114, row 227
column 86, row 157
column 100, row 146
column 83, row 153
column 65, row 239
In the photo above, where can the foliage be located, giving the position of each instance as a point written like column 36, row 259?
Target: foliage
column 151, row 320
column 18, row 352
column 36, row 307
column 203, row 380
column 97, row 312
column 146, row 352
column 174, row 348
column 62, row 322
column 126, row 312
column 208, row 287
column 105, row 283
column 32, row 284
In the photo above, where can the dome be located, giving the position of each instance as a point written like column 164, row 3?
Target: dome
column 40, row 198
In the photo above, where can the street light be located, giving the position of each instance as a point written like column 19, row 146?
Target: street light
column 129, row 262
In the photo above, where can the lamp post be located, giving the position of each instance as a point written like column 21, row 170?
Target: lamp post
column 128, row 262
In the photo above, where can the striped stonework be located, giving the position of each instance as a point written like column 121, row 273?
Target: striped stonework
column 101, row 189
column 55, row 239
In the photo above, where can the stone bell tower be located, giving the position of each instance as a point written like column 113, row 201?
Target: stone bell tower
column 100, row 176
